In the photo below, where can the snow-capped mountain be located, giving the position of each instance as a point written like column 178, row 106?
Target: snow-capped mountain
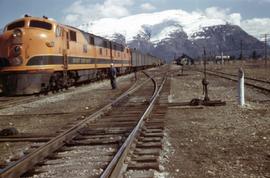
column 159, row 24
column 226, row 39
column 173, row 32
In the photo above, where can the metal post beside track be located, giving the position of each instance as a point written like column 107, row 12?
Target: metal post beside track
column 241, row 87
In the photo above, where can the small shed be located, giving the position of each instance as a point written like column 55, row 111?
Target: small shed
column 184, row 60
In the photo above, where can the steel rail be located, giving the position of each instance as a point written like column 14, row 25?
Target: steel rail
column 249, row 78
column 115, row 166
column 27, row 162
column 235, row 80
column 155, row 86
column 5, row 104
column 18, row 100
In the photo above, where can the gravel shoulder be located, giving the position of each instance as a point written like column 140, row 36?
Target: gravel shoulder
column 253, row 69
column 224, row 141
column 52, row 113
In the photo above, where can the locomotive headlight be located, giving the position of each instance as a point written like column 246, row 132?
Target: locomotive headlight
column 16, row 61
column 17, row 50
column 17, row 33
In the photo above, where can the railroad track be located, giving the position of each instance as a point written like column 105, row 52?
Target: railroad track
column 144, row 158
column 107, row 132
column 12, row 101
column 262, row 85
column 247, row 78
column 6, row 102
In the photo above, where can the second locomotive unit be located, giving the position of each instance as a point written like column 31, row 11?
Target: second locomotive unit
column 38, row 54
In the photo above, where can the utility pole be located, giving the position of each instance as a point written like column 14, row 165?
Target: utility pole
column 204, row 80
column 204, row 62
column 222, row 60
column 265, row 48
column 241, row 47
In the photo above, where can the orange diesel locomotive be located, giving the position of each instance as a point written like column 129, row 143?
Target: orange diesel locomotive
column 38, row 54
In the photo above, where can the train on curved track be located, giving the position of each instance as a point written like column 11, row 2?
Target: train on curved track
column 40, row 55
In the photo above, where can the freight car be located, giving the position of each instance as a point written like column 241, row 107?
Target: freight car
column 141, row 60
column 39, row 54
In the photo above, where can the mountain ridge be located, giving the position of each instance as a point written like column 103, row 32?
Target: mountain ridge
column 170, row 33
column 160, row 24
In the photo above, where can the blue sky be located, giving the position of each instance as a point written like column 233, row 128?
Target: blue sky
column 74, row 12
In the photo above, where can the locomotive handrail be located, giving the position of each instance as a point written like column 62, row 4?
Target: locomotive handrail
column 30, row 160
column 115, row 166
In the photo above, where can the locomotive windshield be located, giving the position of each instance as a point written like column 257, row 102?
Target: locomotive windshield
column 40, row 24
column 14, row 25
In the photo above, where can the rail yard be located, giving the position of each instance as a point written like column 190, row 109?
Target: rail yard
column 75, row 104
column 146, row 128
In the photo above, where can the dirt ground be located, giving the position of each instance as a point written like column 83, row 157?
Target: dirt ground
column 255, row 69
column 224, row 141
column 201, row 142
column 50, row 114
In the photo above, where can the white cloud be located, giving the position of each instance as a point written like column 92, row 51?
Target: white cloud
column 72, row 18
column 114, row 8
column 162, row 24
column 252, row 1
column 261, row 1
column 256, row 26
column 223, row 14
column 147, row 7
column 82, row 11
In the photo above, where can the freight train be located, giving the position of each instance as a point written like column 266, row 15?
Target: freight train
column 39, row 54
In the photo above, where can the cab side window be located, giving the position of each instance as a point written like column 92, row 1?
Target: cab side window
column 105, row 44
column 100, row 51
column 58, row 31
column 72, row 35
column 92, row 41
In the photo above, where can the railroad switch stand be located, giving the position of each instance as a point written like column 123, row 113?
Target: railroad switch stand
column 182, row 70
column 206, row 101
column 205, row 89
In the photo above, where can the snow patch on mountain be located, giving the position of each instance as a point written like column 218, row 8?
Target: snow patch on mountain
column 159, row 25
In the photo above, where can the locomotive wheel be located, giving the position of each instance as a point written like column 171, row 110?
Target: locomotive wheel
column 99, row 76
column 44, row 89
column 54, row 83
